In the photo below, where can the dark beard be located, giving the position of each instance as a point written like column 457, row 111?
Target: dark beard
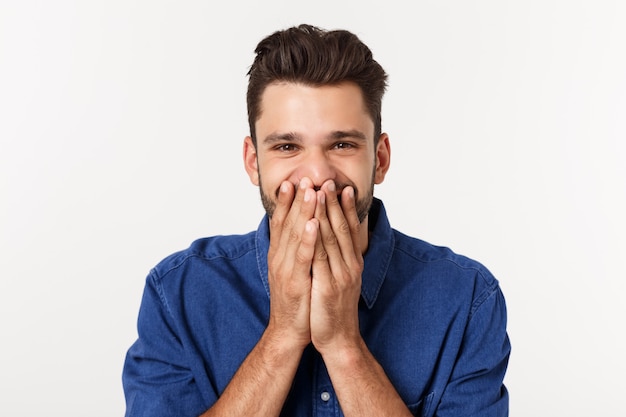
column 363, row 205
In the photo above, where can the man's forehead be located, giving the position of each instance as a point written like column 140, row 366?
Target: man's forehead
column 291, row 109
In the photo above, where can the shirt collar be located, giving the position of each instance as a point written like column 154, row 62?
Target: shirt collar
column 376, row 259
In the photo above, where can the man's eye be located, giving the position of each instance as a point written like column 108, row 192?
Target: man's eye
column 287, row 147
column 344, row 145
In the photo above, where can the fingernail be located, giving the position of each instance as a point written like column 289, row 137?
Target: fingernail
column 331, row 186
column 284, row 187
column 350, row 192
column 308, row 195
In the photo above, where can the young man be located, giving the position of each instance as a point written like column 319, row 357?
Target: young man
column 325, row 310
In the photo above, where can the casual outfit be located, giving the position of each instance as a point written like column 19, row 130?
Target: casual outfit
column 434, row 320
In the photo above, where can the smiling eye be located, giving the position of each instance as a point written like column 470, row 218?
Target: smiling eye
column 344, row 145
column 286, row 147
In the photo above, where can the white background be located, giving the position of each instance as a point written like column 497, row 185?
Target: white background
column 121, row 124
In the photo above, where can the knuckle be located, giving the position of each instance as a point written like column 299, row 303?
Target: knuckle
column 301, row 258
column 333, row 201
column 274, row 266
column 321, row 255
column 294, row 236
column 330, row 240
column 356, row 264
column 275, row 222
column 344, row 227
column 288, row 222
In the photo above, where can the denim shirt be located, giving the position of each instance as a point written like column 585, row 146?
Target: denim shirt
column 434, row 320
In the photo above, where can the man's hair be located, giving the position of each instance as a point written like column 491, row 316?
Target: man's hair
column 315, row 57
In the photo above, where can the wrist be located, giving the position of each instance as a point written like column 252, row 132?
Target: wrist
column 280, row 343
column 348, row 356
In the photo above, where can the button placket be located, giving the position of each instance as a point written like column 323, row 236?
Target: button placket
column 325, row 402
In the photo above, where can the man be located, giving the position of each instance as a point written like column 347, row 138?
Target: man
column 325, row 310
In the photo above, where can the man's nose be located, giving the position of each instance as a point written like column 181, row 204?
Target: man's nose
column 317, row 167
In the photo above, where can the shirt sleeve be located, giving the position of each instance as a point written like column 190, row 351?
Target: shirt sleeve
column 157, row 379
column 476, row 386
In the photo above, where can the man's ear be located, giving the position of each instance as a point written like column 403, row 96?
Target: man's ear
column 250, row 161
column 383, row 158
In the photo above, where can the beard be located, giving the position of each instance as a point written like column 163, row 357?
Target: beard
column 363, row 204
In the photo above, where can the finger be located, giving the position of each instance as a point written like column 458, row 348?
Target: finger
column 328, row 240
column 285, row 199
column 292, row 256
column 338, row 215
column 300, row 211
column 304, row 256
column 339, row 260
column 325, row 240
column 348, row 205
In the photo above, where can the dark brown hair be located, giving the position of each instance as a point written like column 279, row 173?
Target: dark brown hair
column 312, row 56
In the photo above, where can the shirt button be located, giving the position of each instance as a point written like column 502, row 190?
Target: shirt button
column 325, row 396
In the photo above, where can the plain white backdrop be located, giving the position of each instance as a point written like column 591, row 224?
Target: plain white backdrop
column 121, row 126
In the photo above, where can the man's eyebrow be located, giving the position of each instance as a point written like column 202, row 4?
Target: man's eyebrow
column 293, row 137
column 341, row 134
column 281, row 137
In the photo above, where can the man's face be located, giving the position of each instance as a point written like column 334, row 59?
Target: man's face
column 323, row 133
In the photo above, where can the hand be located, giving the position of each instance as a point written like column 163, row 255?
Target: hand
column 336, row 271
column 293, row 233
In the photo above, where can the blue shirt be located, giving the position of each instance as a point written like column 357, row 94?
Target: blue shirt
column 434, row 320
